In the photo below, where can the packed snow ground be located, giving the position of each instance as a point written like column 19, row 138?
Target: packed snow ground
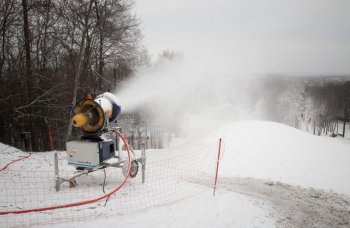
column 281, row 153
column 271, row 175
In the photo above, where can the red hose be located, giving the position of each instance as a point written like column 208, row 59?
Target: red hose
column 6, row 166
column 82, row 202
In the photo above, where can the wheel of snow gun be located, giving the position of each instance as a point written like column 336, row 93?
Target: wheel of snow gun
column 134, row 168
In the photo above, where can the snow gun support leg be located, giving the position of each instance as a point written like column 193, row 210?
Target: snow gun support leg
column 59, row 180
column 143, row 161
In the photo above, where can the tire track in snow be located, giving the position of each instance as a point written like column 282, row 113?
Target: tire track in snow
column 295, row 206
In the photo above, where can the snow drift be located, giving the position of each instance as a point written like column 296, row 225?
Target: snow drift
column 281, row 153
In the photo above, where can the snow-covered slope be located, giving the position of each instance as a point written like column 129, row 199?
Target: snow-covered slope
column 254, row 149
column 281, row 153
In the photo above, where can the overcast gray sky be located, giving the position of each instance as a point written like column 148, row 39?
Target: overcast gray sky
column 294, row 37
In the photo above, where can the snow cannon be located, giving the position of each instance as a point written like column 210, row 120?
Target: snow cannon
column 97, row 144
column 93, row 116
column 99, row 147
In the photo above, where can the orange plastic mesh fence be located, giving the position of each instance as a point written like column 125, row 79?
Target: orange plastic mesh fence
column 176, row 178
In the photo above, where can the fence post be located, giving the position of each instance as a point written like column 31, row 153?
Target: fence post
column 57, row 180
column 143, row 161
column 50, row 136
column 217, row 167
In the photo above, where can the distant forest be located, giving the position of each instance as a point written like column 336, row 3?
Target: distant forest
column 54, row 51
column 320, row 105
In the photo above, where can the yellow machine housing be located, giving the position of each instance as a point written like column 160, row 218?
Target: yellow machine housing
column 92, row 115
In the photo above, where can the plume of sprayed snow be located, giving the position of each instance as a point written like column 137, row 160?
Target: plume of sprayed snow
column 175, row 93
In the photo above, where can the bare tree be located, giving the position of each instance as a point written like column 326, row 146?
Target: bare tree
column 54, row 51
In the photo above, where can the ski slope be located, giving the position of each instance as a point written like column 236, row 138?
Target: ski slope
column 271, row 175
column 281, row 153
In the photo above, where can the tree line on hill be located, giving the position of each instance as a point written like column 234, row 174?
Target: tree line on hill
column 320, row 105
